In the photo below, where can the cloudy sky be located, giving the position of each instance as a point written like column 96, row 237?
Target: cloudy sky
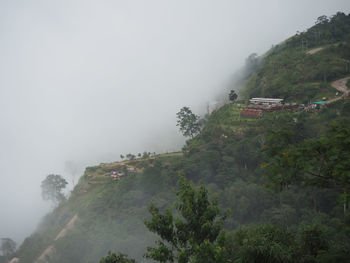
column 85, row 81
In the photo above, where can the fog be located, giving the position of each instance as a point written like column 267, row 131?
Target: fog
column 86, row 81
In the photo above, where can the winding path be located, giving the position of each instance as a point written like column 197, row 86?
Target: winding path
column 340, row 85
column 61, row 234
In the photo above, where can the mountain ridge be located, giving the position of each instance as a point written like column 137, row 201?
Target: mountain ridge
column 228, row 156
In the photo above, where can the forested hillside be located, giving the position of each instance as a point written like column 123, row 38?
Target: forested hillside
column 283, row 179
column 302, row 67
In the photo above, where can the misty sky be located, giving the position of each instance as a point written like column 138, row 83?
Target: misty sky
column 88, row 80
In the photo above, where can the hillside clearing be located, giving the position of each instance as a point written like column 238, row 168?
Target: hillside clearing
column 314, row 50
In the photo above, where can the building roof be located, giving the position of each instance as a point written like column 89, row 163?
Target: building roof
column 266, row 100
column 319, row 102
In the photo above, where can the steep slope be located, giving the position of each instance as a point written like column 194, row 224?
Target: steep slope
column 301, row 68
column 228, row 156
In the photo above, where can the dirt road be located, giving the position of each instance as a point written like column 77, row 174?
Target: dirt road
column 61, row 234
column 340, row 85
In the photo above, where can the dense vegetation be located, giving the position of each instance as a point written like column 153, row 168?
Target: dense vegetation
column 292, row 73
column 284, row 177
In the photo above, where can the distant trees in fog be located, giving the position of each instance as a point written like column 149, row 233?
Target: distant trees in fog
column 130, row 156
column 51, row 188
column 7, row 247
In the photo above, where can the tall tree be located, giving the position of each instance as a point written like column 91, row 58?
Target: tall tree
column 51, row 188
column 188, row 122
column 192, row 236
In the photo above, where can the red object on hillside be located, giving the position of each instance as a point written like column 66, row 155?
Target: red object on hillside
column 251, row 113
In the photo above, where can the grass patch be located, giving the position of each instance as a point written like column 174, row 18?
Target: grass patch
column 325, row 90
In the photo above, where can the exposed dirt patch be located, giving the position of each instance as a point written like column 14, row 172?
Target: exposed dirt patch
column 340, row 85
column 315, row 50
column 69, row 225
column 48, row 251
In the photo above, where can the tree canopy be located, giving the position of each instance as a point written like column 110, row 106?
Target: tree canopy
column 233, row 95
column 52, row 186
column 193, row 235
column 323, row 161
column 188, row 122
column 113, row 258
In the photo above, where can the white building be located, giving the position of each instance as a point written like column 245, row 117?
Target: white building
column 265, row 101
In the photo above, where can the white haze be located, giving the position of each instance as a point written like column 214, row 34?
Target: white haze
column 85, row 81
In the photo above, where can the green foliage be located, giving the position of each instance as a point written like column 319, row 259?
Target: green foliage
column 191, row 236
column 265, row 243
column 113, row 258
column 248, row 202
column 322, row 161
column 111, row 213
column 233, row 95
column 231, row 156
column 146, row 154
column 289, row 72
column 188, row 122
column 32, row 247
column 312, row 240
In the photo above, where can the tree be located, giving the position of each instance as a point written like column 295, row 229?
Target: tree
column 312, row 240
column 194, row 235
column 188, row 122
column 322, row 20
column 130, row 156
column 146, row 154
column 51, row 188
column 113, row 258
column 322, row 161
column 233, row 96
column 262, row 243
column 8, row 246
column 121, row 156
